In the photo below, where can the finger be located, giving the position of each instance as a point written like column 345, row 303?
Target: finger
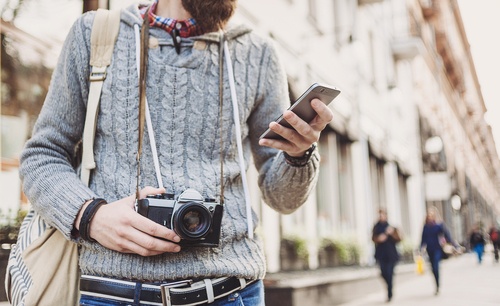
column 300, row 126
column 143, row 193
column 148, row 190
column 324, row 114
column 152, row 228
column 290, row 138
column 288, row 134
column 146, row 245
column 293, row 143
column 272, row 143
column 299, row 136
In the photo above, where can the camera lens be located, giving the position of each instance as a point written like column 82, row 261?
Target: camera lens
column 192, row 221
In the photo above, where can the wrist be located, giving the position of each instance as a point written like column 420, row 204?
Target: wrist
column 300, row 161
column 76, row 224
column 85, row 216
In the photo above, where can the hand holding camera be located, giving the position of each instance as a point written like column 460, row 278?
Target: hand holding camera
column 119, row 227
column 188, row 220
column 195, row 219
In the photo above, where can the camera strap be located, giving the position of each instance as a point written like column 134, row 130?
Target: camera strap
column 221, row 100
column 239, row 144
column 142, row 45
column 144, row 115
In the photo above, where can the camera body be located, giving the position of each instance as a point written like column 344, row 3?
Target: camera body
column 196, row 220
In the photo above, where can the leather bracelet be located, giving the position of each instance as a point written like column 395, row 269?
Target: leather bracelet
column 87, row 216
column 302, row 160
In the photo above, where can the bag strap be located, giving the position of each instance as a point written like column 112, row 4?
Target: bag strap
column 102, row 41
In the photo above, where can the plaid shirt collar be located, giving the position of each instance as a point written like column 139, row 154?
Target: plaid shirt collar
column 185, row 28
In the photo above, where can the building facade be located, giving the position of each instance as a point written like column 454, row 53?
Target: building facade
column 409, row 130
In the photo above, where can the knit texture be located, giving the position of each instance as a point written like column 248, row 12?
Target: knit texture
column 183, row 96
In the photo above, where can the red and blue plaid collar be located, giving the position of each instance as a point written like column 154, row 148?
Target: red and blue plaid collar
column 186, row 28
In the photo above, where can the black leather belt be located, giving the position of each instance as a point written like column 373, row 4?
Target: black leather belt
column 172, row 293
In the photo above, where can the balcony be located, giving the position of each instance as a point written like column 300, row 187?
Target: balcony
column 430, row 9
column 407, row 47
column 451, row 65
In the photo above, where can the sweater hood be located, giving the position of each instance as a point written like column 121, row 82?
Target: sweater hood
column 132, row 16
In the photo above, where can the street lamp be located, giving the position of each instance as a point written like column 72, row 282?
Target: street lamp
column 434, row 145
column 456, row 202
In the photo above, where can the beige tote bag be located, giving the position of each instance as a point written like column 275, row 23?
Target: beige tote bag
column 43, row 265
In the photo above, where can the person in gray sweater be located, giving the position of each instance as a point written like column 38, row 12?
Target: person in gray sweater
column 125, row 249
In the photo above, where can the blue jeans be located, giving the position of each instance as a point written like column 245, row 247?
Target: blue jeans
column 253, row 295
column 435, row 257
column 387, row 271
column 479, row 249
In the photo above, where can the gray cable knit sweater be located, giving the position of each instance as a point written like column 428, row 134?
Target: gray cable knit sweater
column 182, row 94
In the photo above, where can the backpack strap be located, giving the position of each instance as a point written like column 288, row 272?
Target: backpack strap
column 102, row 41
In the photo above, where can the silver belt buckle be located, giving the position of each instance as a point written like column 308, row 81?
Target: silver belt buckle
column 165, row 290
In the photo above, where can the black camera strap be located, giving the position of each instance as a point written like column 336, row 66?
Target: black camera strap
column 142, row 100
column 221, row 99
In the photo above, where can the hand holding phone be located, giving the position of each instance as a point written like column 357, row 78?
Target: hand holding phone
column 302, row 107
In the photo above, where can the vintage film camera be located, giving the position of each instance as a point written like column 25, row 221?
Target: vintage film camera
column 196, row 220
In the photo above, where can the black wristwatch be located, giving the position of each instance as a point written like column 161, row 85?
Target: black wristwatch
column 302, row 160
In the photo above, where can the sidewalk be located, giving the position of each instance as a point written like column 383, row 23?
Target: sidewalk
column 328, row 286
column 463, row 283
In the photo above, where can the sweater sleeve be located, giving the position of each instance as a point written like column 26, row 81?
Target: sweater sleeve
column 284, row 187
column 49, row 178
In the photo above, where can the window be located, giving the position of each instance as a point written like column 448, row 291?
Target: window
column 403, row 200
column 344, row 12
column 335, row 186
column 377, row 182
column 345, row 178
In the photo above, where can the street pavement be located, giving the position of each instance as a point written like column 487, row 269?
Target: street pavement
column 463, row 283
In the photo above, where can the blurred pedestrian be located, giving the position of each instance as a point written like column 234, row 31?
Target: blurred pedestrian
column 477, row 242
column 494, row 234
column 385, row 237
column 434, row 234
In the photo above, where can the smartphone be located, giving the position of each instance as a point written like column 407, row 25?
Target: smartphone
column 302, row 107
